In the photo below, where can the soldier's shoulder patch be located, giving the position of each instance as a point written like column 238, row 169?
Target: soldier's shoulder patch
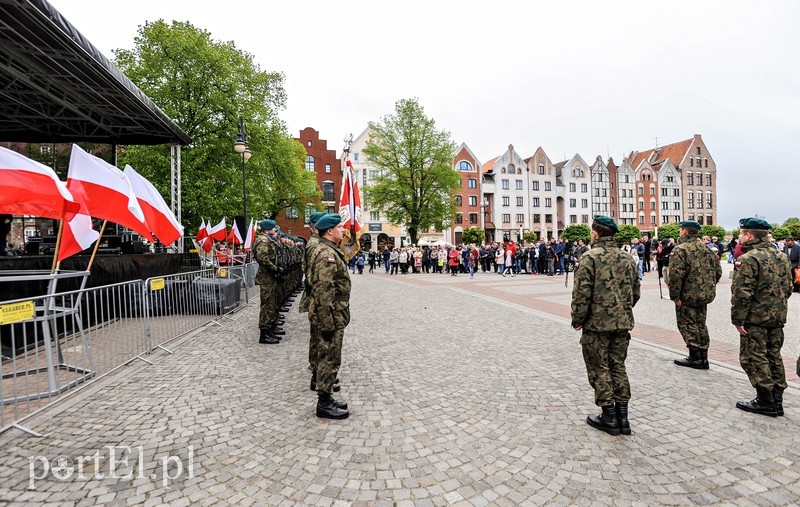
column 331, row 259
column 672, row 254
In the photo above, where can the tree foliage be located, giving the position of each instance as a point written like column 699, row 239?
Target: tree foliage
column 472, row 236
column 418, row 179
column 575, row 232
column 627, row 233
column 530, row 237
column 204, row 85
column 672, row 230
column 713, row 230
column 780, row 233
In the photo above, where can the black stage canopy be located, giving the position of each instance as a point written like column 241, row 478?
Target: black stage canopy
column 56, row 87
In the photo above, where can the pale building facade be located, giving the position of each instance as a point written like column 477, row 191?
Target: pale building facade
column 626, row 190
column 511, row 194
column 602, row 188
column 574, row 192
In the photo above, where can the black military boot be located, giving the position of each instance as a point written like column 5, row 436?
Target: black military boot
column 339, row 404
column 704, row 358
column 326, row 409
column 606, row 421
column 621, row 408
column 336, row 386
column 266, row 337
column 695, row 360
column 284, row 309
column 777, row 395
column 277, row 331
column 763, row 403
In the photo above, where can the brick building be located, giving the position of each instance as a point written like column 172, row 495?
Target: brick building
column 468, row 199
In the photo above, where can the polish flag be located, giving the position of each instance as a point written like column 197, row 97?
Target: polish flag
column 202, row 232
column 158, row 216
column 206, row 244
column 105, row 191
column 78, row 235
column 234, row 237
column 248, row 242
column 31, row 188
column 219, row 231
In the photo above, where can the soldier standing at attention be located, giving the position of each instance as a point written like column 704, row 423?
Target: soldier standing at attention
column 329, row 312
column 759, row 301
column 694, row 271
column 605, row 292
column 267, row 277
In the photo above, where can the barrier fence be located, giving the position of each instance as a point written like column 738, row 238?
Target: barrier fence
column 54, row 343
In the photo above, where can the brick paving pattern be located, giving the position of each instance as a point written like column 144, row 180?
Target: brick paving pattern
column 462, row 392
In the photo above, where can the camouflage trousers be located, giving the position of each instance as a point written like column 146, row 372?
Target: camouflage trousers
column 692, row 326
column 760, row 356
column 268, row 313
column 604, row 355
column 313, row 348
column 328, row 360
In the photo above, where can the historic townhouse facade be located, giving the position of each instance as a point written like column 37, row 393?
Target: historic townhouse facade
column 574, row 192
column 468, row 198
column 670, row 194
column 543, row 200
column 646, row 198
column 602, row 188
column 511, row 192
column 626, row 190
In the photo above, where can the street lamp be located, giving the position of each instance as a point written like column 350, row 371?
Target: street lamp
column 241, row 147
column 484, row 211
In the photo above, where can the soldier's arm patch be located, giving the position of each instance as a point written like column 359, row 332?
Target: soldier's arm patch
column 331, row 259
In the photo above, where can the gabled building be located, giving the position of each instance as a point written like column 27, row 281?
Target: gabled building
column 468, row 198
column 543, row 183
column 602, row 188
column 626, row 190
column 574, row 198
column 646, row 198
column 511, row 191
column 670, row 194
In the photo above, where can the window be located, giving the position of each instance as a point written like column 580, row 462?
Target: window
column 626, row 179
column 459, row 218
column 327, row 191
column 585, row 219
column 548, row 202
column 690, row 217
column 541, row 168
column 577, row 172
column 473, row 218
column 641, row 204
column 506, row 201
column 676, row 205
column 330, row 209
column 355, row 157
column 584, row 203
column 641, row 218
column 690, row 178
column 373, row 174
column 548, row 219
column 600, row 177
column 457, row 199
column 652, row 218
column 537, row 218
column 676, row 192
column 520, row 201
column 292, row 212
column 536, row 185
column 663, row 192
column 664, row 219
column 547, row 186
column 472, row 183
column 511, row 169
column 308, row 144
column 503, row 170
column 699, row 200
column 698, row 150
column 699, row 178
column 572, row 187
column 535, row 202
column 504, row 184
column 605, row 192
column 518, row 185
column 670, row 179
column 691, row 162
column 473, row 200
column 573, row 219
column 641, row 189
column 652, row 204
column 597, row 192
column 705, row 163
column 520, row 218
column 310, row 163
column 464, row 166
column 652, row 189
column 506, row 218
column 709, row 220
column 584, row 187
column 375, row 216
column 708, row 179
column 709, row 201
column 45, row 149
column 664, row 205
column 700, row 219
column 572, row 203
column 689, row 200
column 328, row 169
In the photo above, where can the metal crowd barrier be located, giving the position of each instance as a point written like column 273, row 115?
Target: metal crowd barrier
column 53, row 343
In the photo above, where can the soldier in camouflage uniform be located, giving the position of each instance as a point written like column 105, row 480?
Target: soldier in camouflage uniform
column 265, row 252
column 329, row 311
column 694, row 271
column 606, row 289
column 759, row 302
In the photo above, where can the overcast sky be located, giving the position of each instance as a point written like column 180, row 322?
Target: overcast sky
column 596, row 78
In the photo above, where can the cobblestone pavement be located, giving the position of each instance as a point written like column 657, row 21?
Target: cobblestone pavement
column 462, row 392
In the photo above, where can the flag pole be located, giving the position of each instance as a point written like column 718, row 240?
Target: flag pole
column 56, row 262
column 96, row 244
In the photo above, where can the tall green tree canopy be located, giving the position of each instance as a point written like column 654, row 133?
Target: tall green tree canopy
column 672, row 230
column 204, row 85
column 713, row 230
column 627, row 233
column 418, row 179
column 472, row 236
column 575, row 232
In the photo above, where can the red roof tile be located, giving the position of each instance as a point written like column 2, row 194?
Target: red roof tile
column 674, row 152
column 489, row 166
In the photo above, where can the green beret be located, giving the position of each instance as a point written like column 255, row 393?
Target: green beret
column 690, row 224
column 328, row 220
column 606, row 221
column 754, row 223
column 316, row 216
column 268, row 225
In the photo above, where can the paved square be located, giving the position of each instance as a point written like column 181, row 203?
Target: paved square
column 462, row 392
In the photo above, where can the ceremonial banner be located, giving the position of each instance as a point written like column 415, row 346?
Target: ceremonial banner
column 351, row 212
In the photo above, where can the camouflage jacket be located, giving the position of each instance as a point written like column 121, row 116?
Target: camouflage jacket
column 761, row 286
column 606, row 288
column 329, row 305
column 694, row 271
column 311, row 249
column 265, row 252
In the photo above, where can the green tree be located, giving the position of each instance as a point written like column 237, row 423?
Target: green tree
column 473, row 235
column 791, row 220
column 780, row 233
column 530, row 237
column 672, row 230
column 575, row 232
column 416, row 188
column 734, row 233
column 204, row 85
column 627, row 233
column 793, row 229
column 712, row 230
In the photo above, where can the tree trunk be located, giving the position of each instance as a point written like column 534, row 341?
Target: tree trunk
column 412, row 232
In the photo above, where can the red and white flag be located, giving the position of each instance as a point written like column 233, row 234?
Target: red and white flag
column 158, row 216
column 351, row 211
column 105, row 191
column 207, row 244
column 78, row 236
column 30, row 188
column 248, row 241
column 219, row 231
column 234, row 237
column 202, row 232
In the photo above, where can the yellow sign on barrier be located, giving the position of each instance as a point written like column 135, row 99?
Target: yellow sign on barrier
column 223, row 273
column 156, row 284
column 17, row 312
